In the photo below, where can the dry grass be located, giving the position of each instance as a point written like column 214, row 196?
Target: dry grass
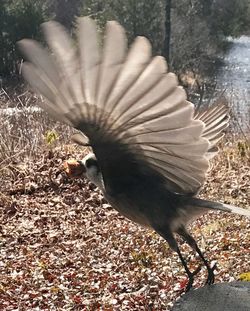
column 25, row 129
column 229, row 177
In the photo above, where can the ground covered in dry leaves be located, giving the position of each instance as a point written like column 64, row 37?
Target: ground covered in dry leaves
column 62, row 247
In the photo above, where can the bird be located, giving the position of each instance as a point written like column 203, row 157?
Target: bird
column 150, row 149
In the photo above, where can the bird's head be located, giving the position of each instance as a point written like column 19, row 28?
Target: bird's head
column 87, row 167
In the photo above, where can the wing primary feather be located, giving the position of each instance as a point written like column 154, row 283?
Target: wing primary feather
column 173, row 158
column 214, row 117
column 175, row 120
column 113, row 56
column 216, row 120
column 62, row 46
column 89, row 61
column 174, row 98
column 38, row 56
column 80, row 139
column 145, row 104
column 138, row 58
column 148, row 79
column 42, row 85
column 47, row 72
column 172, row 103
column 211, row 113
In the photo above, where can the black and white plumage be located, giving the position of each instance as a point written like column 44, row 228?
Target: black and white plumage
column 150, row 151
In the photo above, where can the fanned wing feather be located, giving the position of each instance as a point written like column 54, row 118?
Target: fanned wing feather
column 80, row 139
column 126, row 103
column 114, row 53
column 137, row 59
column 145, row 83
column 43, row 85
column 149, row 100
column 216, row 120
column 41, row 58
column 89, row 57
column 66, row 57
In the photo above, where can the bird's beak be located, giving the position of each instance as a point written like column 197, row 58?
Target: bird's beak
column 74, row 168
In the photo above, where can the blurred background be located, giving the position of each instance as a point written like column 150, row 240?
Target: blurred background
column 206, row 43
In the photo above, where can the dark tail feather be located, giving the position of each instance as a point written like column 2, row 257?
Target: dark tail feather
column 221, row 206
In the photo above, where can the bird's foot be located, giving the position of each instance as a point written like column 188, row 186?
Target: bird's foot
column 210, row 277
column 191, row 278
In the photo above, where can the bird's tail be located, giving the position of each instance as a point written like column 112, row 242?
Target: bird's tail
column 221, row 206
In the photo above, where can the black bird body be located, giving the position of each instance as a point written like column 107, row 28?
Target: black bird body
column 142, row 197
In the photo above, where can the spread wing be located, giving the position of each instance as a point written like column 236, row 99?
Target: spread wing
column 127, row 104
column 216, row 120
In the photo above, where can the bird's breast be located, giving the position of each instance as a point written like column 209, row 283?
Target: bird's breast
column 126, row 207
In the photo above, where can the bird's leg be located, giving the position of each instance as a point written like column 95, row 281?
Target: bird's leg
column 192, row 243
column 210, row 270
column 168, row 236
column 189, row 273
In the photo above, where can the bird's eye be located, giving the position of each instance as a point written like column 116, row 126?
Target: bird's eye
column 91, row 162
